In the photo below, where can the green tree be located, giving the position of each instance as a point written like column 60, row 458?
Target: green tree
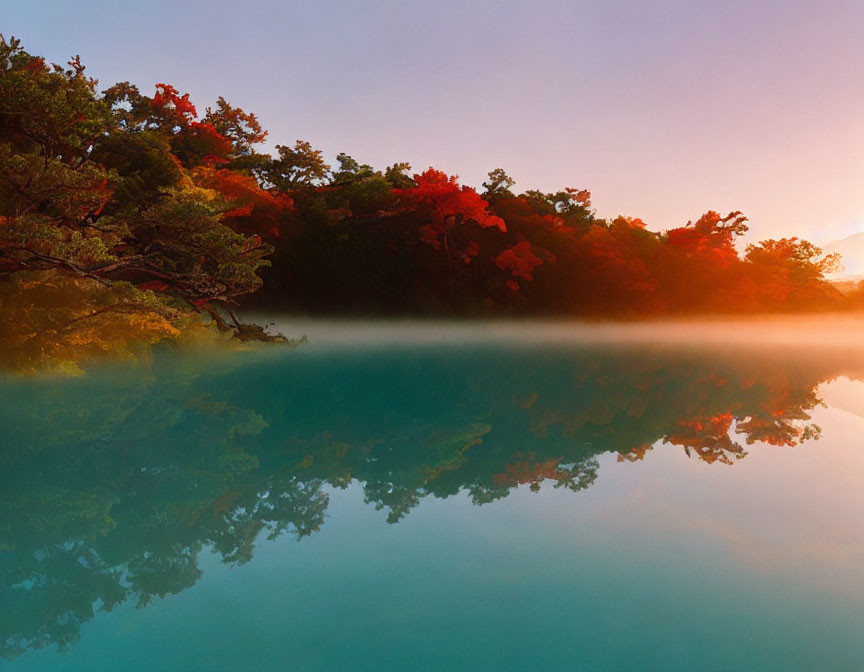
column 96, row 188
column 294, row 168
column 498, row 185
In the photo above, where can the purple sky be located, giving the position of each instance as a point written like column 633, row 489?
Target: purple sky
column 663, row 109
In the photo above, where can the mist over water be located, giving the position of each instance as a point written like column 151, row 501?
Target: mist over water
column 402, row 495
column 823, row 331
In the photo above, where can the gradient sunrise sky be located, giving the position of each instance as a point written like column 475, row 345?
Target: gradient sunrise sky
column 662, row 108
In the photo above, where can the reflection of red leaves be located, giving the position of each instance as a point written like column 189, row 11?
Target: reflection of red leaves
column 512, row 284
column 529, row 401
column 527, row 472
column 708, row 438
column 714, row 425
column 222, row 504
column 637, row 454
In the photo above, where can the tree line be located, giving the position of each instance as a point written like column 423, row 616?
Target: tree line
column 124, row 217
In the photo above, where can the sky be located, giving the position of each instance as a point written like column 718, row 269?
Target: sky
column 663, row 109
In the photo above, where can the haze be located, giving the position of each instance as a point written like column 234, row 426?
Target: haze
column 807, row 332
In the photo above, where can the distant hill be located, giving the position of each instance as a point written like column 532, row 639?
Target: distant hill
column 852, row 251
column 846, row 283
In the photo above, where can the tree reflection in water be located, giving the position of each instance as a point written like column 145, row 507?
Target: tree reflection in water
column 112, row 484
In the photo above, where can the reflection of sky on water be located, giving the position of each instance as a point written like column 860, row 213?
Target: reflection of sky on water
column 661, row 562
column 782, row 512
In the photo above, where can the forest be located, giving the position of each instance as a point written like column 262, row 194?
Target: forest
column 128, row 219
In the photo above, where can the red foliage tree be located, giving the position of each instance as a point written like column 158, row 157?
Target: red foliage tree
column 445, row 204
column 519, row 260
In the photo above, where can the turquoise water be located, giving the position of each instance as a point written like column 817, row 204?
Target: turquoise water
column 440, row 499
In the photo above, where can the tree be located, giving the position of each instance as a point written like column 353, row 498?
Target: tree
column 446, row 205
column 398, row 176
column 173, row 117
column 572, row 205
column 801, row 258
column 711, row 238
column 99, row 188
column 350, row 170
column 242, row 128
column 702, row 267
column 295, row 168
column 498, row 185
column 520, row 261
column 789, row 273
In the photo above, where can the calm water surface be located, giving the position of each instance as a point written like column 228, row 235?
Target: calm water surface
column 443, row 498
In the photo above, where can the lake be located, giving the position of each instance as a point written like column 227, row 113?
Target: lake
column 444, row 497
